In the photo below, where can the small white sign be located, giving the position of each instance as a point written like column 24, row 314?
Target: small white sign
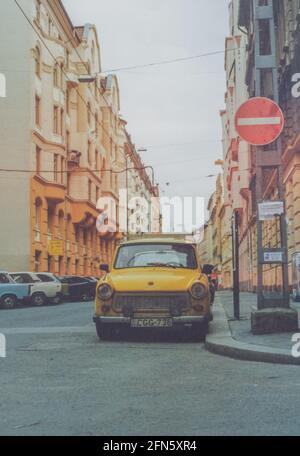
column 270, row 209
column 2, row 346
column 273, row 257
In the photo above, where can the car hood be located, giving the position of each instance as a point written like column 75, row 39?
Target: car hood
column 153, row 279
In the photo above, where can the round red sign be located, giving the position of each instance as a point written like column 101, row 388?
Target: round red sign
column 259, row 121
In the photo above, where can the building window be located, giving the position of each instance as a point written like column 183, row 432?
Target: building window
column 55, row 120
column 37, row 261
column 90, row 153
column 38, row 214
column 38, row 11
column 68, row 59
column 37, row 58
column 37, row 111
column 61, row 224
column 62, row 124
column 68, row 101
column 55, row 167
column 56, row 76
column 62, row 168
column 38, row 159
column 90, row 190
column 89, row 114
column 96, row 125
column 62, row 76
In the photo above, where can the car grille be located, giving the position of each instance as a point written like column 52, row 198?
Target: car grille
column 151, row 301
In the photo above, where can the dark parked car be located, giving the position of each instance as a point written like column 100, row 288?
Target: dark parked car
column 79, row 288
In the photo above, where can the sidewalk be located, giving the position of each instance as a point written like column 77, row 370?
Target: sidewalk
column 234, row 338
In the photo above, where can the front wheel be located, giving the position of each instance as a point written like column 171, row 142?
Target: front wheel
column 38, row 299
column 8, row 302
column 104, row 332
column 197, row 333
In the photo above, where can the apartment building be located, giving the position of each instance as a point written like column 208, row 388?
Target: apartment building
column 61, row 142
column 239, row 169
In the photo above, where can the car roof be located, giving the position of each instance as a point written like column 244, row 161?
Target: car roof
column 157, row 240
column 23, row 272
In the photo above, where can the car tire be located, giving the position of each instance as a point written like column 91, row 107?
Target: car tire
column 38, row 299
column 198, row 332
column 104, row 332
column 85, row 297
column 8, row 302
column 57, row 300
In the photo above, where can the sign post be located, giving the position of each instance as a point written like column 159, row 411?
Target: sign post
column 235, row 264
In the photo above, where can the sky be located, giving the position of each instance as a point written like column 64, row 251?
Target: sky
column 172, row 110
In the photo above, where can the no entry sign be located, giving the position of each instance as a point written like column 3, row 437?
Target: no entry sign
column 259, row 121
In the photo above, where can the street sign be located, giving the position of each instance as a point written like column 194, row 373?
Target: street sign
column 55, row 248
column 273, row 256
column 259, row 121
column 270, row 209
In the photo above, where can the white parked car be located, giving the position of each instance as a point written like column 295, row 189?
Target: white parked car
column 41, row 292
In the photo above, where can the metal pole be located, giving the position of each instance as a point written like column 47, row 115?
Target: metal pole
column 235, row 261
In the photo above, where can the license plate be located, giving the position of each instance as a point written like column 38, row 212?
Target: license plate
column 152, row 323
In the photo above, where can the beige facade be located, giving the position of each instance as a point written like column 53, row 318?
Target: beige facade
column 61, row 124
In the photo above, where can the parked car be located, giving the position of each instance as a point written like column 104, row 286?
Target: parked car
column 80, row 288
column 11, row 292
column 154, row 283
column 92, row 279
column 48, row 277
column 40, row 292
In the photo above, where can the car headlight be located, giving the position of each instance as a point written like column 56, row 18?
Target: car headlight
column 105, row 292
column 198, row 291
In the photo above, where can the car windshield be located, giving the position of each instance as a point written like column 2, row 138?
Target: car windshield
column 156, row 255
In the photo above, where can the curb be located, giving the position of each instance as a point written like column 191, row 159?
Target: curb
column 220, row 341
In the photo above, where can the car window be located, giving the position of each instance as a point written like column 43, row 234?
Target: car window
column 4, row 278
column 160, row 255
column 24, row 278
column 45, row 278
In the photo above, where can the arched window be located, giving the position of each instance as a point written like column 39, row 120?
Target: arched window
column 69, row 227
column 61, row 220
column 37, row 58
column 38, row 213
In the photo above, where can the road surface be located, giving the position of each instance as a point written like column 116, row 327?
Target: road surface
column 58, row 379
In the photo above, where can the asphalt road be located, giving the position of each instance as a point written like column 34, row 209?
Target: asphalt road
column 58, row 379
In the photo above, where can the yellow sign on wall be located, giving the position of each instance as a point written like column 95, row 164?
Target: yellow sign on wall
column 55, row 248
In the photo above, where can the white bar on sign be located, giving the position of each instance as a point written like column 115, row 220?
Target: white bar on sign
column 259, row 121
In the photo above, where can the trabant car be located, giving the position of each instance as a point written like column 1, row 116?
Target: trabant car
column 11, row 292
column 40, row 292
column 154, row 284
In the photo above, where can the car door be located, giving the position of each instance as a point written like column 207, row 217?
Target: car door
column 52, row 286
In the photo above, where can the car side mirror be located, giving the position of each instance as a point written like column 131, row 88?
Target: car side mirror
column 207, row 269
column 104, row 267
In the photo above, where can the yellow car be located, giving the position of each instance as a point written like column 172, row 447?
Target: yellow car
column 156, row 283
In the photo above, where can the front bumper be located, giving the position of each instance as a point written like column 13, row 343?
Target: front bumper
column 177, row 321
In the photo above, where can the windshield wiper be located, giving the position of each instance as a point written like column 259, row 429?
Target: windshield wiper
column 163, row 265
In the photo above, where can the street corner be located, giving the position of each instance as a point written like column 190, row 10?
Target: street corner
column 239, row 343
